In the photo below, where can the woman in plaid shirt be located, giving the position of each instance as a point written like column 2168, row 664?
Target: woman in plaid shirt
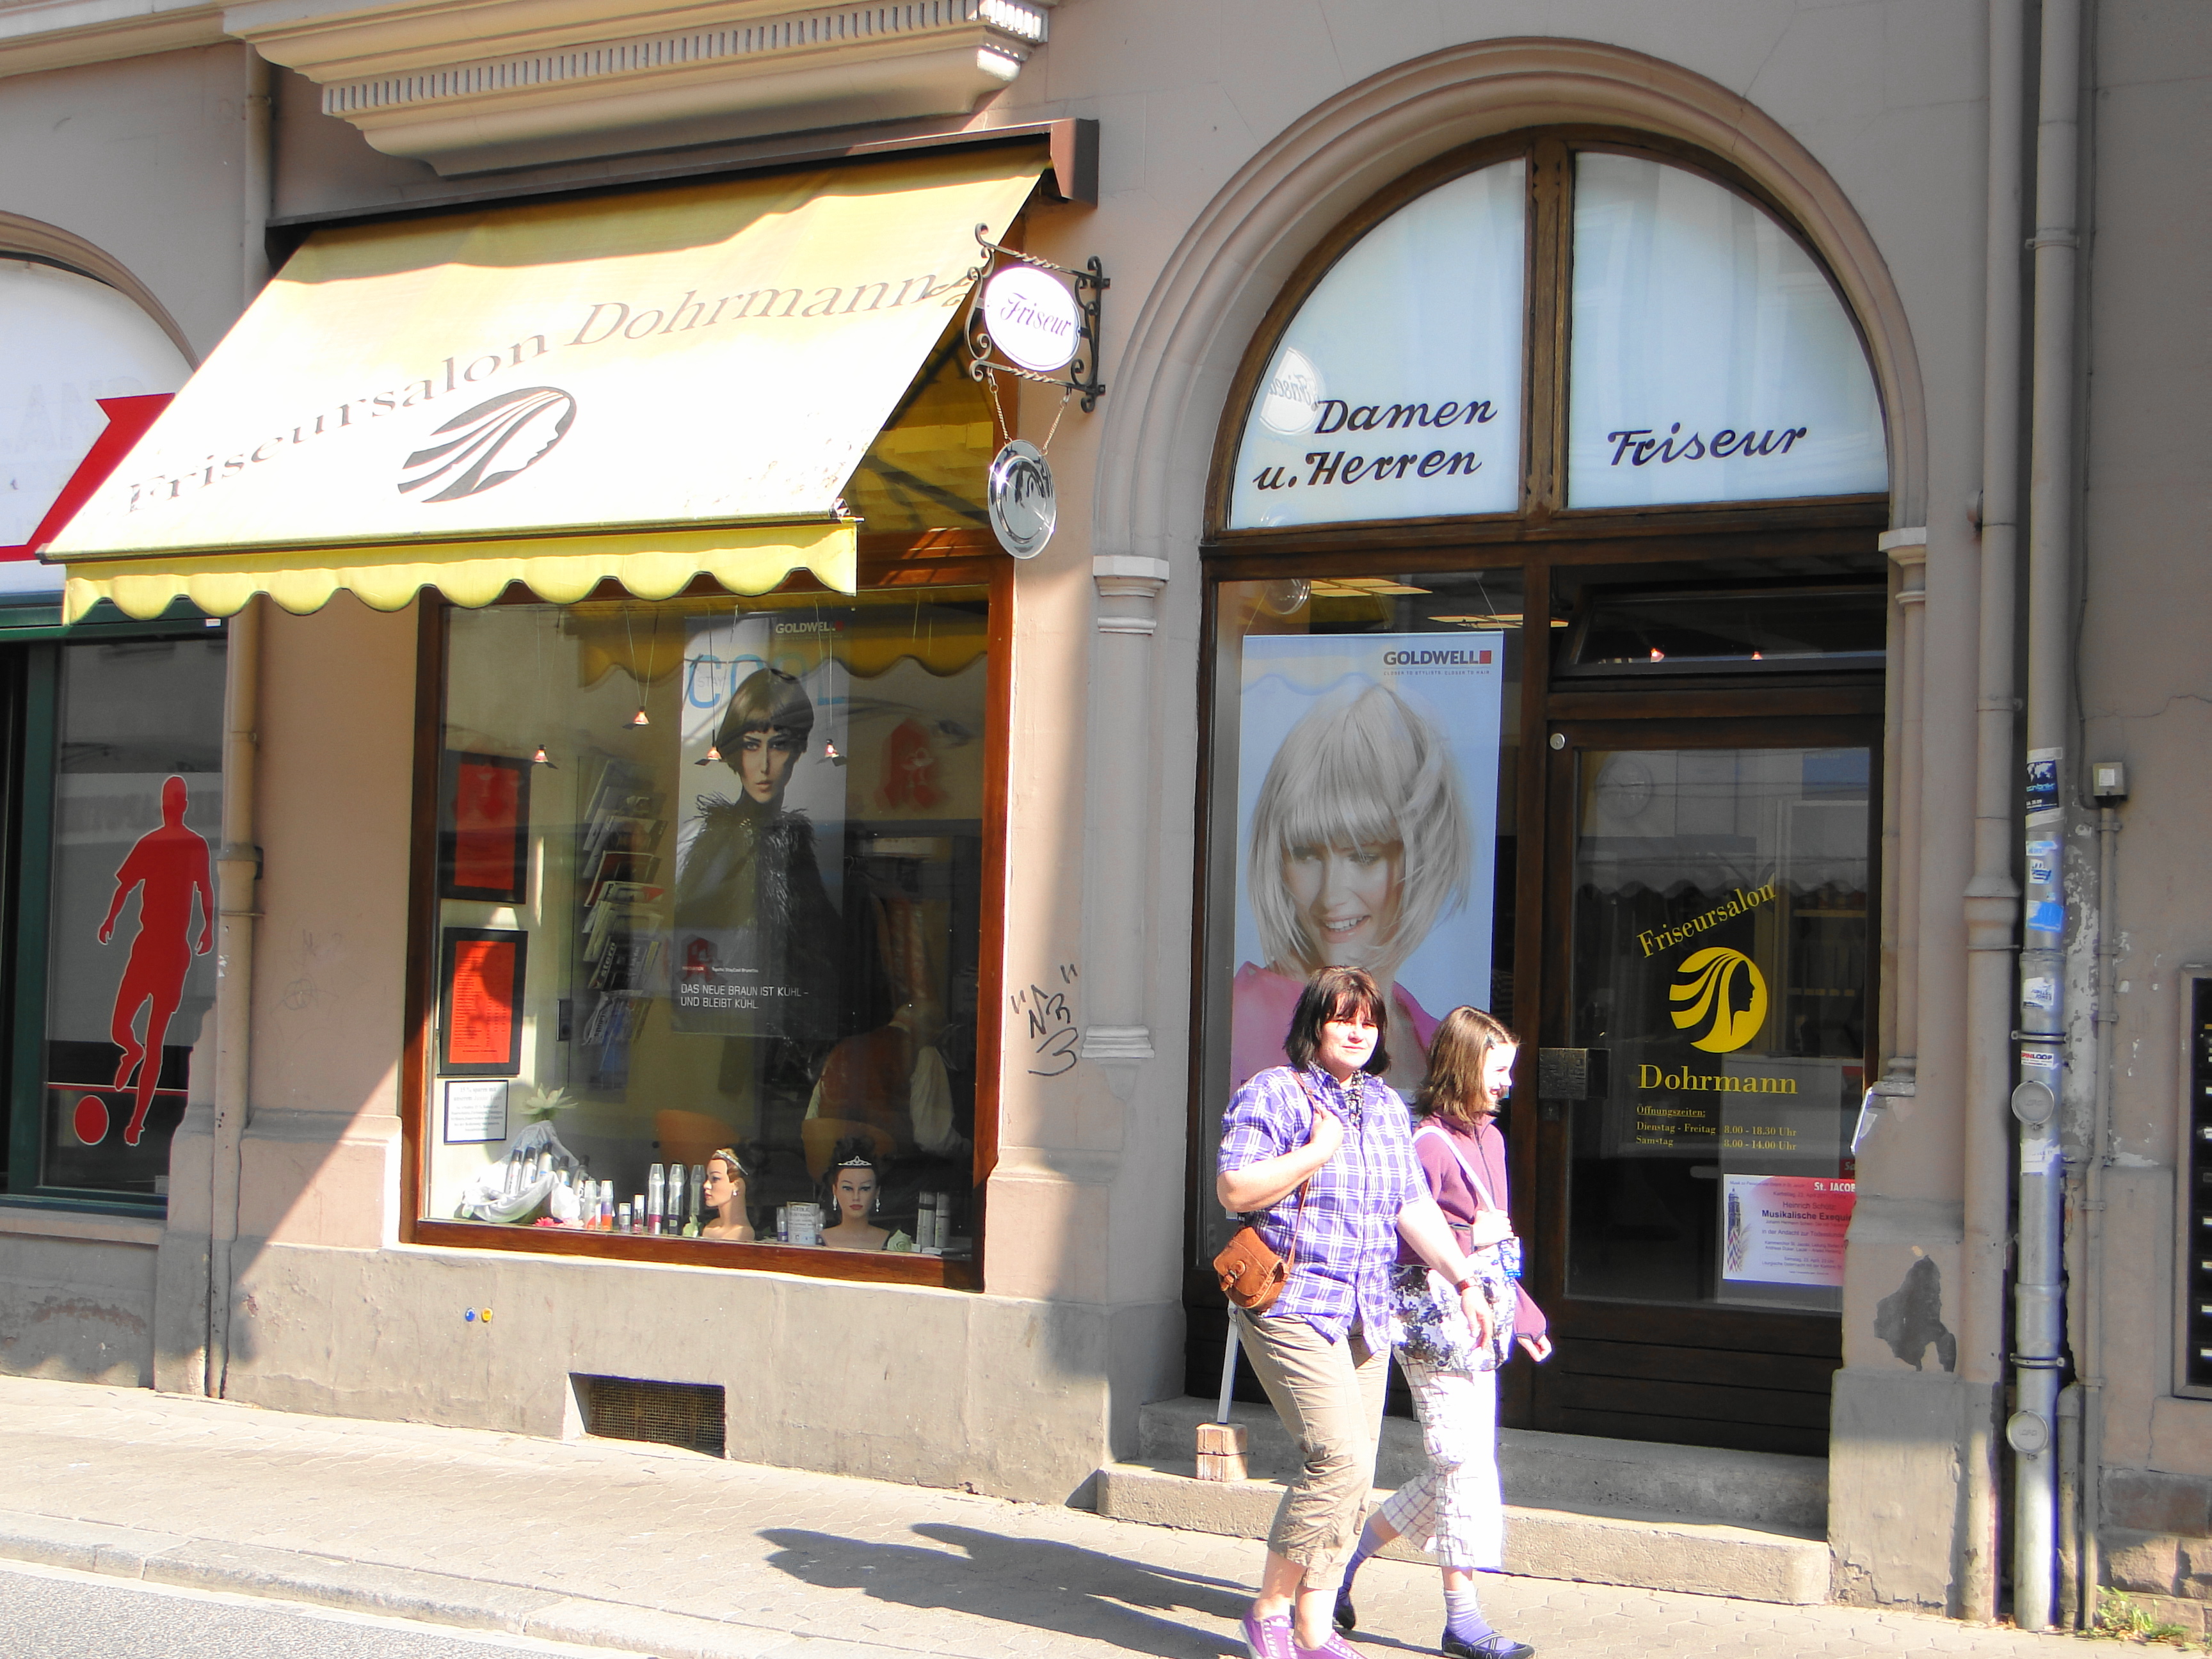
column 1322, row 1351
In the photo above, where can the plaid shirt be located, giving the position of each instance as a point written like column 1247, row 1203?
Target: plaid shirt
column 1349, row 1236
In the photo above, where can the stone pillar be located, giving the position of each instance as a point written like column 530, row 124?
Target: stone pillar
column 1119, row 838
column 1908, row 550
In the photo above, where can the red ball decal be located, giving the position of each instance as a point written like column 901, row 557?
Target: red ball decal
column 90, row 1120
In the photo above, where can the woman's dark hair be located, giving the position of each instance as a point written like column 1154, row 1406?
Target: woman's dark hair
column 1457, row 1053
column 1337, row 993
column 770, row 700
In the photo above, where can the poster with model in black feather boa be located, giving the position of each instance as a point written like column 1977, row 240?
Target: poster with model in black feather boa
column 760, row 826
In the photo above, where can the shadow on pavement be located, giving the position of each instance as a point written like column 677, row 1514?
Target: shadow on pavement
column 1024, row 1581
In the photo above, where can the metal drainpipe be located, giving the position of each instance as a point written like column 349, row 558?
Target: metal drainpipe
column 2037, row 1291
column 2089, row 1345
column 1992, row 899
column 238, row 863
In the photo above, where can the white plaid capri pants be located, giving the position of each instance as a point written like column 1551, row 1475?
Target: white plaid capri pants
column 1455, row 1511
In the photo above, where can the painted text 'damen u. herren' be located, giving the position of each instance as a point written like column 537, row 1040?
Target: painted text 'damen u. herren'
column 1340, row 468
column 608, row 320
column 1340, row 415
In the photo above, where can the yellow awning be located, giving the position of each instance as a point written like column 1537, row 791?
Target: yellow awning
column 646, row 387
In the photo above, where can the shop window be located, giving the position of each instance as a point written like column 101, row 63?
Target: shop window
column 1366, row 737
column 708, row 910
column 1651, row 633
column 121, row 805
column 1395, row 391
column 1712, row 359
column 71, row 341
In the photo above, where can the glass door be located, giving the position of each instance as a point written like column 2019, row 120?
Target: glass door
column 1705, row 1057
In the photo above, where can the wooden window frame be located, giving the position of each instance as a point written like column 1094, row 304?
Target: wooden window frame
column 929, row 559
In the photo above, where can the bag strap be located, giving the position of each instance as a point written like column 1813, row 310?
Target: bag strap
column 1291, row 1262
column 1451, row 1144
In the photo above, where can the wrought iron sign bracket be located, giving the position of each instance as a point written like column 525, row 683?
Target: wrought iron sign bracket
column 1079, row 376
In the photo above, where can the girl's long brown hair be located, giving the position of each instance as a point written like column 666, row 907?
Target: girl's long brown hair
column 1453, row 1089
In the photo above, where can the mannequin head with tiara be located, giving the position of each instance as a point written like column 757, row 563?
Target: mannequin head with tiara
column 852, row 1190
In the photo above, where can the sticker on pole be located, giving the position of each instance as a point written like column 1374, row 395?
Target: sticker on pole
column 2042, row 792
column 1020, row 494
column 1032, row 318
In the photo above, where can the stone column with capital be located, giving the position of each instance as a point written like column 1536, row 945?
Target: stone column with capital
column 1124, row 771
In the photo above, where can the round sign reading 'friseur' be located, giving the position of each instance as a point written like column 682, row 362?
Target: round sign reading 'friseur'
column 1032, row 318
column 1023, row 508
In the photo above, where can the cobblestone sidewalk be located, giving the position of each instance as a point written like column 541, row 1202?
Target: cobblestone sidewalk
column 660, row 1552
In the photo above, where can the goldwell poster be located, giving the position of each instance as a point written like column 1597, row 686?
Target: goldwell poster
column 1366, row 830
column 760, row 827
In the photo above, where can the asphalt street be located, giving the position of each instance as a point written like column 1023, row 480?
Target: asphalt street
column 49, row 1612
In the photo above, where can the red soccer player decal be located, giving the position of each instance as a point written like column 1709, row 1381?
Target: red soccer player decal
column 170, row 865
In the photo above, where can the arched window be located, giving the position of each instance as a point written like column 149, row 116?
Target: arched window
column 1472, row 345
column 69, row 341
column 1546, row 627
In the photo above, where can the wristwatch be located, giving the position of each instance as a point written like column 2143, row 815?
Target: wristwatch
column 1462, row 1287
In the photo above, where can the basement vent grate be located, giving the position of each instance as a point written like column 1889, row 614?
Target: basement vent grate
column 686, row 1414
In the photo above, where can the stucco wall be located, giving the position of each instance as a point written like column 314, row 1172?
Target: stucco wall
column 141, row 158
column 2146, row 691
column 1207, row 114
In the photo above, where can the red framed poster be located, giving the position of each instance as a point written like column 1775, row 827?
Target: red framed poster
column 480, row 980
column 483, row 843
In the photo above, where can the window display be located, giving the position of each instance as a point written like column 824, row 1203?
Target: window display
column 733, row 991
column 1367, row 726
column 131, row 970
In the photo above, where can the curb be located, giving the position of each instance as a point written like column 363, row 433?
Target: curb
column 430, row 1598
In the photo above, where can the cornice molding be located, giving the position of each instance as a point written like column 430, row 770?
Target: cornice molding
column 505, row 83
column 51, row 34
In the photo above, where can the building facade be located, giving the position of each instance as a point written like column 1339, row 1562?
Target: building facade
column 553, row 850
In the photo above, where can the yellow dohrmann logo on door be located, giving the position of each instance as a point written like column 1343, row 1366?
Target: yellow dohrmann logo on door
column 1722, row 992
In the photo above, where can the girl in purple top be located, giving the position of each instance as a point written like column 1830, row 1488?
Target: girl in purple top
column 1455, row 1511
column 1328, row 1122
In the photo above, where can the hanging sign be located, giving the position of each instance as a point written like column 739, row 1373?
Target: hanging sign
column 1023, row 508
column 1032, row 318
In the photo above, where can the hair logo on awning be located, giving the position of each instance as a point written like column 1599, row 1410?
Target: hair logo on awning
column 505, row 426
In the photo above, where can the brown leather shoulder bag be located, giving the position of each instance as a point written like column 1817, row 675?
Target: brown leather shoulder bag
column 1252, row 1275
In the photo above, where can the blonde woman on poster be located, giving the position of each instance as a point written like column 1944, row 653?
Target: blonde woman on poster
column 1359, row 841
